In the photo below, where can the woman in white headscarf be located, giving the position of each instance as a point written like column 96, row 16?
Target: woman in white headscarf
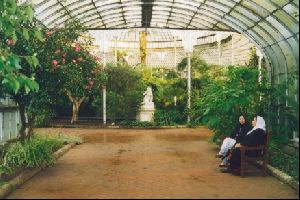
column 255, row 137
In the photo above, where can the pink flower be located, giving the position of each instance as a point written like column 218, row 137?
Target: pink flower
column 91, row 83
column 77, row 47
column 9, row 42
column 54, row 62
column 57, row 51
column 48, row 33
column 86, row 87
column 74, row 61
column 63, row 61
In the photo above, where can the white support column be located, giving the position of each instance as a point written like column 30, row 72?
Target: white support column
column 219, row 48
column 104, row 104
column 175, row 53
column 232, row 50
column 189, row 84
column 189, row 39
column 116, row 52
column 260, row 57
column 104, row 59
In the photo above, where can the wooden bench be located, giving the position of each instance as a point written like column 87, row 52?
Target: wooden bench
column 264, row 156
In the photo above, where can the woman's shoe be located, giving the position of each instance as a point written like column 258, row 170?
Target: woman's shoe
column 219, row 156
column 225, row 170
column 223, row 165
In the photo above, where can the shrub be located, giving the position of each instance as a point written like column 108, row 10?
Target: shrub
column 167, row 117
column 130, row 124
column 34, row 152
column 286, row 163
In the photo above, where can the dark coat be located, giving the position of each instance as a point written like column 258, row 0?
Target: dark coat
column 255, row 138
column 240, row 132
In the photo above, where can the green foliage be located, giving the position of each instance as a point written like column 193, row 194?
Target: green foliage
column 166, row 84
column 70, row 64
column 125, row 89
column 34, row 152
column 17, row 25
column 168, row 117
column 278, row 158
column 239, row 93
column 69, row 139
column 137, row 124
column 284, row 162
column 198, row 66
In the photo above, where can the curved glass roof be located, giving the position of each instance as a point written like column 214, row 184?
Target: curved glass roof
column 272, row 25
column 156, row 38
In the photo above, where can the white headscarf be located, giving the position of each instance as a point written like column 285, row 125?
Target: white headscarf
column 260, row 123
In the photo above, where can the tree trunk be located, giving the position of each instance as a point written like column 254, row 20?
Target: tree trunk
column 76, row 105
column 22, row 131
column 31, row 125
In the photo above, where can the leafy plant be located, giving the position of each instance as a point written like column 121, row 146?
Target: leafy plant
column 125, row 89
column 137, row 124
column 223, row 100
column 34, row 152
column 167, row 117
column 16, row 23
column 285, row 162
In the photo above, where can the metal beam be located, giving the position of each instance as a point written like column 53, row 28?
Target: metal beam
column 98, row 13
column 195, row 13
column 147, row 13
column 199, row 29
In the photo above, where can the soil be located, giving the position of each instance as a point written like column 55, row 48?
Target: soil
column 162, row 163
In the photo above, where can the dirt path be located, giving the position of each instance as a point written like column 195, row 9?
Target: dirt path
column 168, row 163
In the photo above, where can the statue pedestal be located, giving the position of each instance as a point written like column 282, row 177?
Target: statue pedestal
column 146, row 113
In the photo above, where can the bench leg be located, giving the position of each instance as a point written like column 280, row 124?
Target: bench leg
column 243, row 166
column 265, row 162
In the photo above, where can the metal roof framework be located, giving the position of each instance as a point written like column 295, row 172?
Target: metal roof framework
column 272, row 25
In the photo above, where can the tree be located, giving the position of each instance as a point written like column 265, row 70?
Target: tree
column 74, row 69
column 125, row 89
column 19, row 39
column 239, row 93
column 16, row 23
column 81, row 77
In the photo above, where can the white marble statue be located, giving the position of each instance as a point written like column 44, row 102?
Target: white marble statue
column 148, row 96
column 147, row 108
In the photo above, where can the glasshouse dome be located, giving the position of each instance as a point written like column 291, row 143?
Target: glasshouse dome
column 273, row 26
column 203, row 66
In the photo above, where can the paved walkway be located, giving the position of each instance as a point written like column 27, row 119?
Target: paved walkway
column 167, row 163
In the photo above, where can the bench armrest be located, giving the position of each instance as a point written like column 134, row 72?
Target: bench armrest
column 247, row 148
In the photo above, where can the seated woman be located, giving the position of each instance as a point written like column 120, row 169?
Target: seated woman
column 237, row 136
column 254, row 137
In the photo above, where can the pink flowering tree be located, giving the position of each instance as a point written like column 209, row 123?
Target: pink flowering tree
column 74, row 71
column 81, row 75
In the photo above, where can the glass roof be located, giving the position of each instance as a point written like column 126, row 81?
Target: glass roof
column 272, row 25
column 156, row 38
